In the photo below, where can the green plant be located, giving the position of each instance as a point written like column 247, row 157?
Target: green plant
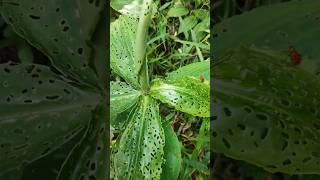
column 56, row 112
column 265, row 106
column 147, row 147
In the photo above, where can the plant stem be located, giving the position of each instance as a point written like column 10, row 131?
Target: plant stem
column 141, row 66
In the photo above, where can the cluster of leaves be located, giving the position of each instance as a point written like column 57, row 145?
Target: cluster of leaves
column 52, row 115
column 147, row 145
column 264, row 115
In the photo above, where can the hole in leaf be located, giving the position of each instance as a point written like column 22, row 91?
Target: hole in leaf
column 34, row 17
column 286, row 162
column 227, row 111
column 226, row 143
column 264, row 133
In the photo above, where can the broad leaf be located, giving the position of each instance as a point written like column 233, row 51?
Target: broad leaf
column 197, row 70
column 123, row 33
column 187, row 24
column 122, row 97
column 39, row 113
column 266, row 111
column 139, row 150
column 60, row 29
column 278, row 30
column 90, row 160
column 48, row 167
column 188, row 94
column 177, row 11
column 172, row 154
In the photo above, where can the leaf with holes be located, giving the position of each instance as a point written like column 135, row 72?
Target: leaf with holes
column 59, row 29
column 265, row 115
column 88, row 160
column 279, row 34
column 38, row 114
column 122, row 97
column 123, row 33
column 188, row 94
column 172, row 154
column 49, row 166
column 139, row 151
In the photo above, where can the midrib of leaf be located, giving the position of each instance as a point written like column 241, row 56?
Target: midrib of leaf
column 171, row 87
column 141, row 134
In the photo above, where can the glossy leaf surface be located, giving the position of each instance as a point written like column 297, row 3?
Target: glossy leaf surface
column 266, row 112
column 60, row 30
column 90, row 159
column 122, row 97
column 139, row 150
column 122, row 60
column 39, row 113
column 188, row 94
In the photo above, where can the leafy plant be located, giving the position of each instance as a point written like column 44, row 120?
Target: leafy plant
column 264, row 112
column 147, row 147
column 55, row 112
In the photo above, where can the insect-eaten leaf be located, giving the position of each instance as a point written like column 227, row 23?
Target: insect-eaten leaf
column 39, row 113
column 189, row 94
column 122, row 97
column 266, row 112
column 89, row 160
column 139, row 150
column 61, row 35
column 122, row 60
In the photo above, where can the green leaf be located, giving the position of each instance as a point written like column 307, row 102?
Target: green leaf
column 122, row 97
column 177, row 11
column 38, row 113
column 118, row 121
column 197, row 70
column 202, row 28
column 277, row 33
column 49, row 166
column 265, row 115
column 123, row 34
column 129, row 7
column 187, row 94
column 172, row 154
column 100, row 52
column 141, row 64
column 201, row 13
column 61, row 30
column 139, row 150
column 90, row 160
column 187, row 24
